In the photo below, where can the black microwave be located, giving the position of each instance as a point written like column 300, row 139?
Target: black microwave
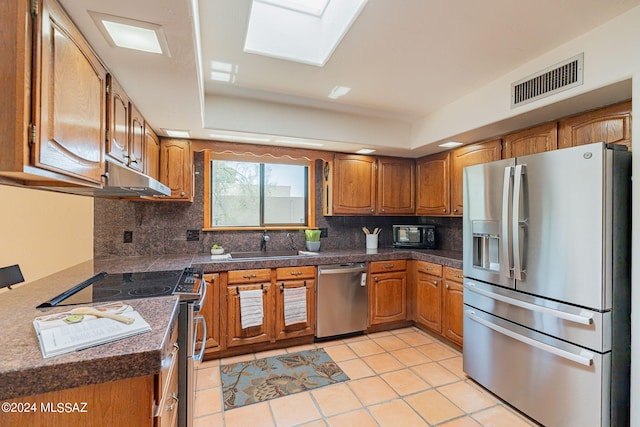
column 414, row 236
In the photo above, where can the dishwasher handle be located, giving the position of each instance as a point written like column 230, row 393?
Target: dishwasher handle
column 342, row 270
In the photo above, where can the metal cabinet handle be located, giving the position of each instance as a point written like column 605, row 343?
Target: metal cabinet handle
column 435, row 282
column 175, row 402
column 388, row 266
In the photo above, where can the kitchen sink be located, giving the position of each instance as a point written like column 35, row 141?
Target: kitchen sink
column 268, row 254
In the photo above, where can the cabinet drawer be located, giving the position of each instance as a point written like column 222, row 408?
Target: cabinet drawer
column 249, row 276
column 453, row 274
column 308, row 272
column 386, row 266
column 429, row 268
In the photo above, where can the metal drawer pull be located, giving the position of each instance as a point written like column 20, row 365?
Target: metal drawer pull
column 586, row 358
column 577, row 318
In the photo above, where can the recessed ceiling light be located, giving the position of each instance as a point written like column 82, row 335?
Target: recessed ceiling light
column 365, row 151
column 174, row 133
column 299, row 31
column 131, row 34
column 450, row 144
column 339, row 91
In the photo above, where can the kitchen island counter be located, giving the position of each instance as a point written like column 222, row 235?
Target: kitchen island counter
column 23, row 370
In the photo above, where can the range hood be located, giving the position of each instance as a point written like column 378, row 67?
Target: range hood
column 120, row 181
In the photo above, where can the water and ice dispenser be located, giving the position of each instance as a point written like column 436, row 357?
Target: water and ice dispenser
column 486, row 244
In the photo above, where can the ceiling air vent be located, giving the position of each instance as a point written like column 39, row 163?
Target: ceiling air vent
column 554, row 79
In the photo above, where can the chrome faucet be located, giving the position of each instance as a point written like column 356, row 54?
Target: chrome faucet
column 263, row 241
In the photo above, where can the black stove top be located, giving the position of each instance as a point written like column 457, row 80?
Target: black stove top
column 105, row 287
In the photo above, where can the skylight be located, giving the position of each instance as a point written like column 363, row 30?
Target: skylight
column 306, row 31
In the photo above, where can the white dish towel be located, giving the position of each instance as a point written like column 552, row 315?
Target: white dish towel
column 295, row 305
column 251, row 312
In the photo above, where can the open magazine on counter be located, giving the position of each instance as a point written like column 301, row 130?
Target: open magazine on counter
column 83, row 327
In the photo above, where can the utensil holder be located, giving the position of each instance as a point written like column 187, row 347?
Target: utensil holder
column 372, row 241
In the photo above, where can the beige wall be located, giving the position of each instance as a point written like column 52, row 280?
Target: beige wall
column 44, row 232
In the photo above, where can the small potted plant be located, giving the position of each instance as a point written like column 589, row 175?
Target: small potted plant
column 216, row 249
column 312, row 239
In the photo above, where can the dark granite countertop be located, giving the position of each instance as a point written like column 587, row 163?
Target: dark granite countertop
column 23, row 370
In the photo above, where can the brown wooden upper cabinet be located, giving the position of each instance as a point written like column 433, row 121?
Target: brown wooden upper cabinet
column 137, row 139
column 610, row 124
column 366, row 185
column 51, row 82
column 152, row 152
column 468, row 155
column 531, row 141
column 432, row 196
column 354, row 185
column 396, row 186
column 117, row 121
column 176, row 169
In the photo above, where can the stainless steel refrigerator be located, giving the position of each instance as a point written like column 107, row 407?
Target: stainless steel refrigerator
column 546, row 241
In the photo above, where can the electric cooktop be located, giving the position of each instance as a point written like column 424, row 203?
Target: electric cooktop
column 105, row 287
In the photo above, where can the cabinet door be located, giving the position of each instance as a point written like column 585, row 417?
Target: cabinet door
column 452, row 302
column 433, row 185
column 428, row 303
column 396, row 186
column 298, row 329
column 69, row 100
column 387, row 297
column 354, row 184
column 473, row 154
column 135, row 156
column 611, row 125
column 531, row 141
column 152, row 153
column 211, row 312
column 176, row 169
column 236, row 335
column 117, row 122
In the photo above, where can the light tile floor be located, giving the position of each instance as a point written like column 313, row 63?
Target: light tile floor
column 397, row 378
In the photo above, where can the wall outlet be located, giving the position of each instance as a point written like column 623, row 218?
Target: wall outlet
column 128, row 237
column 324, row 232
column 193, row 235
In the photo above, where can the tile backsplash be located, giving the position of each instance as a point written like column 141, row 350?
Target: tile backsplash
column 160, row 228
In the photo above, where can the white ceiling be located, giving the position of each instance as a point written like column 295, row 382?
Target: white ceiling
column 403, row 59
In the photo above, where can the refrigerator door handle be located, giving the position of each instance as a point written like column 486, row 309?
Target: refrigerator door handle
column 576, row 318
column 584, row 358
column 506, row 248
column 519, row 247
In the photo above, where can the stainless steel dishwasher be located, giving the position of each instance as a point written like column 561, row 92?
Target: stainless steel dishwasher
column 341, row 299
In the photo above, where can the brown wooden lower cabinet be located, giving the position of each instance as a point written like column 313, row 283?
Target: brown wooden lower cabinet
column 247, row 280
column 437, row 299
column 210, row 310
column 452, row 302
column 428, row 295
column 272, row 283
column 147, row 401
column 292, row 278
column 387, row 291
